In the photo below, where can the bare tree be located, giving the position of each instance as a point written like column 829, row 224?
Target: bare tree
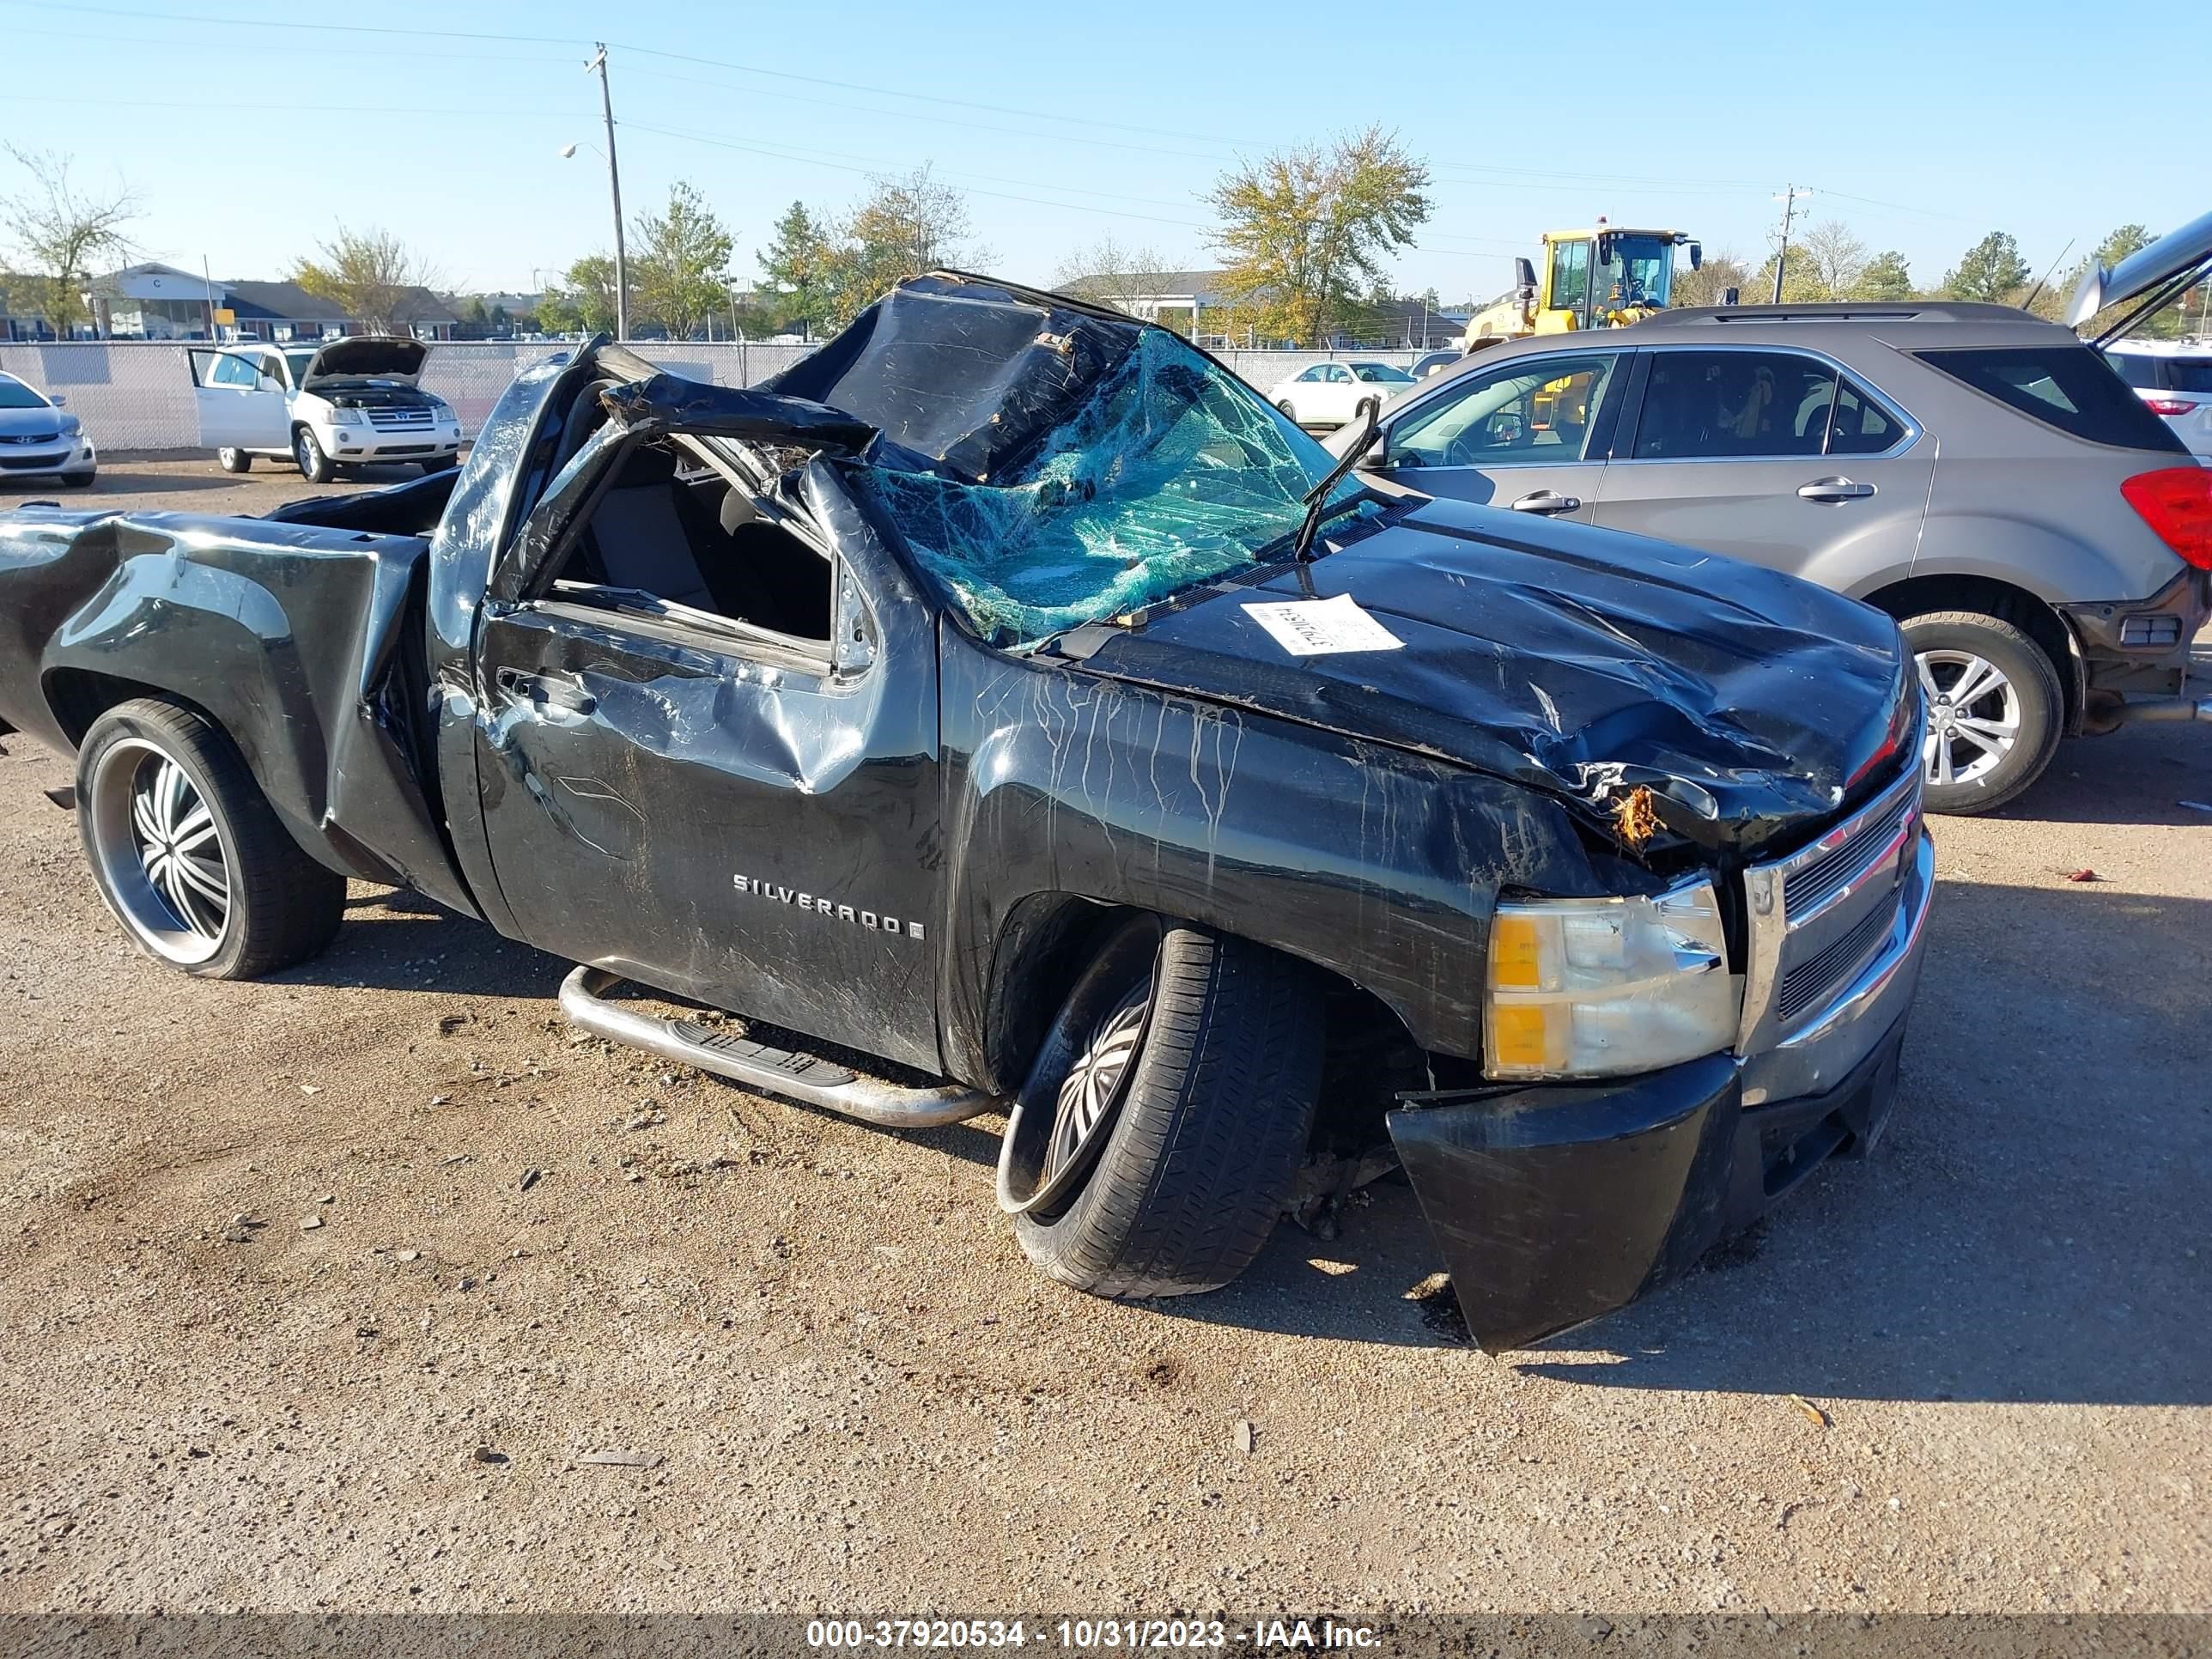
column 1109, row 273
column 371, row 275
column 63, row 233
column 1833, row 258
column 1707, row 285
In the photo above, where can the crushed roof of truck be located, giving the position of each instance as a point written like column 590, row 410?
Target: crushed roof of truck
column 1052, row 463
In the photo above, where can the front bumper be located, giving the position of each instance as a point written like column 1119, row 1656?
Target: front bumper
column 47, row 460
column 363, row 443
column 1557, row 1203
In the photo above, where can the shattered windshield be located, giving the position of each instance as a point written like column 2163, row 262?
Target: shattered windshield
column 1172, row 473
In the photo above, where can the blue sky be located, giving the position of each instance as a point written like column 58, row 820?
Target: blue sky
column 1921, row 126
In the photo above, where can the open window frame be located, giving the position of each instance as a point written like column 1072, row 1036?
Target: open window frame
column 552, row 532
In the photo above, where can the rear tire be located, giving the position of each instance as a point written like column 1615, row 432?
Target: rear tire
column 315, row 466
column 1363, row 409
column 188, row 852
column 1289, row 413
column 1983, row 747
column 1200, row 1056
column 234, row 461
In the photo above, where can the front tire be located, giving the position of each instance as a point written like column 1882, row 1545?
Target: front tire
column 80, row 480
column 188, row 852
column 1996, row 710
column 315, row 466
column 234, row 461
column 1160, row 1131
column 440, row 464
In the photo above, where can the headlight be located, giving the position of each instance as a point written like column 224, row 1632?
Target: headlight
column 1597, row 987
column 70, row 426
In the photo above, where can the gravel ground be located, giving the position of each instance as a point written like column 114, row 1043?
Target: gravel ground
column 1972, row 1373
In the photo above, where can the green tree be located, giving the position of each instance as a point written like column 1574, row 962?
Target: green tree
column 1715, row 276
column 583, row 300
column 1304, row 229
column 679, row 273
column 1992, row 269
column 372, row 278
column 2167, row 323
column 475, row 311
column 1801, row 282
column 62, row 235
column 796, row 267
column 902, row 228
column 1885, row 277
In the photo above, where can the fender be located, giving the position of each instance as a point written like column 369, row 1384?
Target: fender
column 1061, row 782
column 288, row 636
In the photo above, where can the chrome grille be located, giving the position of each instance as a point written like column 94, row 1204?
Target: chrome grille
column 400, row 420
column 28, row 437
column 1802, row 890
column 1804, row 985
column 1819, row 915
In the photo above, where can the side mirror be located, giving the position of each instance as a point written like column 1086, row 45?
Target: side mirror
column 1605, row 247
column 270, row 383
column 1728, row 296
column 1524, row 278
column 58, row 400
column 1697, row 256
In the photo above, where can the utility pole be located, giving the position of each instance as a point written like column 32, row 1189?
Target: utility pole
column 614, row 186
column 1789, row 200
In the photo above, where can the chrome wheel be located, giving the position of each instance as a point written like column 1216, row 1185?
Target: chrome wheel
column 1094, row 1083
column 1973, row 716
column 163, row 853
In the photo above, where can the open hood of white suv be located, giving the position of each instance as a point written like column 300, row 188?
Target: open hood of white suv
column 366, row 357
column 2174, row 261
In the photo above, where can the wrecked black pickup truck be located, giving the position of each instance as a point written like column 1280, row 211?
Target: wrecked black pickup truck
column 1006, row 693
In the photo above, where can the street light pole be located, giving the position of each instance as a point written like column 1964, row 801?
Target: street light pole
column 614, row 186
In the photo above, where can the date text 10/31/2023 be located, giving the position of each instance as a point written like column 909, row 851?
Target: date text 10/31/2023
column 1325, row 1634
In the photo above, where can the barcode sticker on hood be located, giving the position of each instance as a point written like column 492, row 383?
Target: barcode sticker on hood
column 1321, row 627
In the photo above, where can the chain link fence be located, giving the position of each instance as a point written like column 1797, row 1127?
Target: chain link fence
column 138, row 395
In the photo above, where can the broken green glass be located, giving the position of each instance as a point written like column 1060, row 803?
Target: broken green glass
column 1173, row 473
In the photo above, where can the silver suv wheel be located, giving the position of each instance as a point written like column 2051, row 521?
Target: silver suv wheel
column 1973, row 716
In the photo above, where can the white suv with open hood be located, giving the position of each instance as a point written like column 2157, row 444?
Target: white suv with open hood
column 352, row 402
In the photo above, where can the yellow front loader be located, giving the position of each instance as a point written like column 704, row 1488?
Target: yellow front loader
column 1597, row 278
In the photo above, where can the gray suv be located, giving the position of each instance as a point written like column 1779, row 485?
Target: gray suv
column 2043, row 538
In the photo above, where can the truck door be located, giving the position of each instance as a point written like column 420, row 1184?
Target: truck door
column 707, row 754
column 239, row 406
column 1775, row 456
column 1525, row 432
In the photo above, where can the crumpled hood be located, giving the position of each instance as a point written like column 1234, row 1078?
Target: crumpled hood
column 366, row 357
column 1580, row 661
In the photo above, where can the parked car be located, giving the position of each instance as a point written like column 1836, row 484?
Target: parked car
column 350, row 402
column 37, row 441
column 1330, row 394
column 2044, row 540
column 1435, row 363
column 2174, row 380
column 1006, row 692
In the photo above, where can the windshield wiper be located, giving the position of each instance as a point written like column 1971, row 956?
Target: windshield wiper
column 1316, row 499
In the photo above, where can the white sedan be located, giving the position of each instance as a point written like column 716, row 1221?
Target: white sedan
column 1334, row 394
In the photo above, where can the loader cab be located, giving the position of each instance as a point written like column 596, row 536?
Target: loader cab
column 1604, row 277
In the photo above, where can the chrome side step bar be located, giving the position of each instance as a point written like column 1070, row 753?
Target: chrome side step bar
column 801, row 1077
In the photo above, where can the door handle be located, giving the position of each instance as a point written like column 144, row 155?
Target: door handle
column 1548, row 501
column 551, row 690
column 1835, row 490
